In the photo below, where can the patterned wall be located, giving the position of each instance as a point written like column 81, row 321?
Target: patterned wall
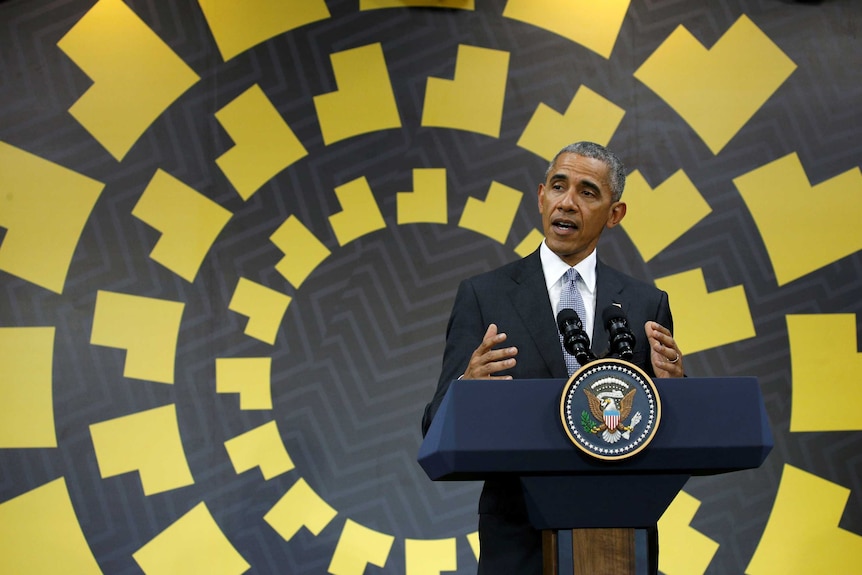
column 231, row 232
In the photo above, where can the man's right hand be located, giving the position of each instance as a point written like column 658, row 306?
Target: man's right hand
column 486, row 361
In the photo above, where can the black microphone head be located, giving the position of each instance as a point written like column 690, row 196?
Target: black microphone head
column 621, row 338
column 611, row 313
column 575, row 339
column 566, row 316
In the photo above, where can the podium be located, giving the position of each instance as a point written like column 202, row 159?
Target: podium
column 485, row 428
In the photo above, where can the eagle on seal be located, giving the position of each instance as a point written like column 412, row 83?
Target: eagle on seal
column 606, row 410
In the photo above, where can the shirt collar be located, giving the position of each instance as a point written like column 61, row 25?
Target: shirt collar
column 554, row 267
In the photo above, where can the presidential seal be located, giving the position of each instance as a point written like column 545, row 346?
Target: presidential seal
column 610, row 409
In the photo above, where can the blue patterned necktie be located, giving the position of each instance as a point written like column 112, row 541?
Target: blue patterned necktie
column 571, row 298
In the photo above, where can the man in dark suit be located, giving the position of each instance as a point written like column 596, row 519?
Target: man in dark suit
column 503, row 326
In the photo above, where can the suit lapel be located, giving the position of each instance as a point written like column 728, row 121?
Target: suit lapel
column 608, row 292
column 530, row 298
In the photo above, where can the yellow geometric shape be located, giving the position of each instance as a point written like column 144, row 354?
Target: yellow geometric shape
column 802, row 535
column 359, row 213
column 136, row 76
column 264, row 308
column 430, row 556
column 188, row 220
column 357, row 547
column 598, row 23
column 260, row 447
column 705, row 320
column 589, row 117
column 492, row 217
column 247, row 376
column 147, row 328
column 473, row 101
column 822, row 353
column 427, row 202
column 44, row 208
column 530, row 243
column 774, row 194
column 658, row 217
column 299, row 507
column 193, row 545
column 26, row 385
column 717, row 91
column 147, row 442
column 473, row 540
column 238, row 26
column 364, row 101
column 684, row 549
column 264, row 143
column 303, row 252
column 458, row 4
column 40, row 534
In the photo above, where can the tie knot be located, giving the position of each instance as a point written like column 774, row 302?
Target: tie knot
column 572, row 275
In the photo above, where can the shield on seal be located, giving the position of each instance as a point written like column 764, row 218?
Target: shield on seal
column 611, row 415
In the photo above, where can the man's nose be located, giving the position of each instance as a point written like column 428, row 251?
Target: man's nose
column 567, row 201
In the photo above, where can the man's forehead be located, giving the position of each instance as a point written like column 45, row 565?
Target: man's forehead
column 588, row 169
column 569, row 158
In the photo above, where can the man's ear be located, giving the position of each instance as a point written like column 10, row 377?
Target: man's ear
column 617, row 213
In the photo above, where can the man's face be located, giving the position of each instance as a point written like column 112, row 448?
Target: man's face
column 576, row 206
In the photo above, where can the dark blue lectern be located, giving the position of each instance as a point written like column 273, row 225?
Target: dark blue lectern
column 486, row 428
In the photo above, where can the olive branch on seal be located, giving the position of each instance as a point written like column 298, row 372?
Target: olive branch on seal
column 588, row 423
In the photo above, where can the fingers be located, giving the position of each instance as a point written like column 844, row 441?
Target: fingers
column 659, row 338
column 486, row 360
column 665, row 355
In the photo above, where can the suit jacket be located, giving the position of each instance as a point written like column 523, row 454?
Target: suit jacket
column 515, row 298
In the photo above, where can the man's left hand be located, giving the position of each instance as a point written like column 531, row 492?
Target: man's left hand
column 664, row 354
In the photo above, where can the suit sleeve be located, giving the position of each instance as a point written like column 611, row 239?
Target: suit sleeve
column 645, row 304
column 662, row 315
column 463, row 335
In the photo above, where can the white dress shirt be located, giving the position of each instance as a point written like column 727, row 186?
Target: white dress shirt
column 555, row 270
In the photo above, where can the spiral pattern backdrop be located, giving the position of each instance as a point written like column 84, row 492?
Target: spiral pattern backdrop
column 231, row 233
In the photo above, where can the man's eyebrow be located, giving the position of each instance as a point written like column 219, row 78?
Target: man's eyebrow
column 590, row 184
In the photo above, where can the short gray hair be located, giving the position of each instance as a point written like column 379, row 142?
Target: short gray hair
column 616, row 170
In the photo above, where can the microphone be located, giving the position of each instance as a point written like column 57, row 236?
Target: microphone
column 575, row 339
column 622, row 340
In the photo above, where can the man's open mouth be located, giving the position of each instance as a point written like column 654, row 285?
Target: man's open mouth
column 565, row 226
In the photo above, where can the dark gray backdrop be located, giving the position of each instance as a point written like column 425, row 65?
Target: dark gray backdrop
column 357, row 353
